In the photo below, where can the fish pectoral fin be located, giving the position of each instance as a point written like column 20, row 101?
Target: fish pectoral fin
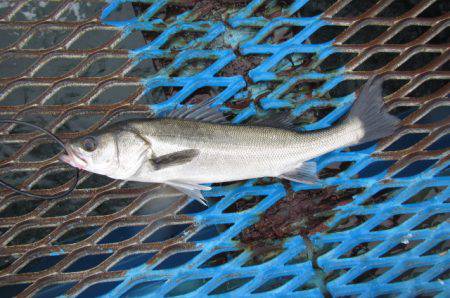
column 306, row 172
column 173, row 159
column 191, row 189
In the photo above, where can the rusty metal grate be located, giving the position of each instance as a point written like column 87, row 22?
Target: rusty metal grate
column 74, row 66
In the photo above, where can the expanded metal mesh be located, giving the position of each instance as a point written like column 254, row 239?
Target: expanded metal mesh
column 377, row 225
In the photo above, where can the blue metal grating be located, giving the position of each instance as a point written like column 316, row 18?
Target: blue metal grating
column 253, row 58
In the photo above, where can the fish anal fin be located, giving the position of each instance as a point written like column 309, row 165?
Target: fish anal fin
column 190, row 189
column 173, row 159
column 306, row 172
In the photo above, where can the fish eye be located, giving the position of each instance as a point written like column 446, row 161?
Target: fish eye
column 89, row 144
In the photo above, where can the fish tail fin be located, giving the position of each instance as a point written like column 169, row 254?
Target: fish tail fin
column 370, row 115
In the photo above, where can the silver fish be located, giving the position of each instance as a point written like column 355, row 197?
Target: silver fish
column 195, row 146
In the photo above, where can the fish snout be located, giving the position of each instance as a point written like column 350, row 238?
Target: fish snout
column 73, row 158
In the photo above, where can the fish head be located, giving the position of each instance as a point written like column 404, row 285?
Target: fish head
column 113, row 153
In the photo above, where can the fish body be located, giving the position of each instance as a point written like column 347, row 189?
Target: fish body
column 195, row 147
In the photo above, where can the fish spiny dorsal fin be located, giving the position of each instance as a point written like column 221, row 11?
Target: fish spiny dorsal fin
column 282, row 119
column 203, row 112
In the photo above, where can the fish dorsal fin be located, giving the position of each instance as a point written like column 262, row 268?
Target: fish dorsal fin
column 282, row 120
column 306, row 172
column 203, row 112
column 191, row 189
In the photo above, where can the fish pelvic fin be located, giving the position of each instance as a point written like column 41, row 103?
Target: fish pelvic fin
column 192, row 190
column 306, row 172
column 369, row 114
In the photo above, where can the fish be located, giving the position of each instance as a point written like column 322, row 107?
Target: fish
column 194, row 147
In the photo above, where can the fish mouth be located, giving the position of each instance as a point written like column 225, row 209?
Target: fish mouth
column 73, row 158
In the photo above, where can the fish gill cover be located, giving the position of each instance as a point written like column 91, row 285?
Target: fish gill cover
column 377, row 225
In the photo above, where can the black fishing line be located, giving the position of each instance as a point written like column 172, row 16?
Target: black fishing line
column 57, row 140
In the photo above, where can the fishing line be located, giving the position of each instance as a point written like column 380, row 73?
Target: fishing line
column 57, row 140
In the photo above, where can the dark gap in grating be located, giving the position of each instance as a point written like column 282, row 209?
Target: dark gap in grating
column 95, row 181
column 443, row 173
column 397, row 8
column 103, row 67
column 410, row 274
column 428, row 87
column 334, row 169
column 46, row 38
column 345, row 88
column 302, row 257
column 335, row 61
column 366, row 34
column 20, row 207
column 12, row 290
column 16, row 177
column 435, row 115
column 441, row 143
column 401, row 248
column 144, row 288
column 382, row 196
column 408, row 34
column 416, row 168
column 41, row 263
column 193, row 67
column 221, row 258
column 121, row 234
column 37, row 12
column 187, row 287
column 313, row 8
column 119, row 13
column 177, row 260
column 181, row 39
column 425, row 194
column 9, row 36
column 79, row 122
column 54, row 178
column 65, row 207
column 273, row 284
column 132, row 261
column 9, row 149
column 143, row 69
column 99, row 289
column 54, row 290
column 13, row 66
column 230, row 285
column 87, row 262
column 114, row 94
column 375, row 168
column 432, row 221
column 166, row 232
column 30, row 236
column 5, row 261
column 309, row 285
column 326, row 33
column 417, row 61
column 438, row 8
column 159, row 94
column 23, row 95
column 349, row 223
column 243, row 204
column 76, row 235
column 392, row 222
column 111, row 206
column 438, row 249
column 263, row 254
column 281, row 34
column 443, row 276
column 359, row 249
column 57, row 67
column 170, row 12
column 403, row 111
column 376, row 61
column 355, row 8
column 442, row 37
column 149, row 36
column 93, row 39
column 42, row 152
column 326, row 248
column 39, row 119
column 314, row 114
column 202, row 94
column 194, row 207
column 135, row 39
column 406, row 141
column 369, row 275
column 330, row 276
column 209, row 232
